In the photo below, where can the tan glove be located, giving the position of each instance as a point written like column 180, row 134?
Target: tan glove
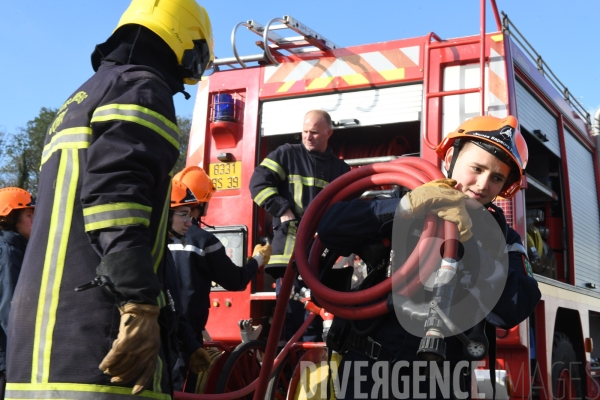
column 134, row 352
column 445, row 182
column 440, row 198
column 200, row 361
column 264, row 250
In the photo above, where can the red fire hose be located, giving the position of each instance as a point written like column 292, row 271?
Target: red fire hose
column 407, row 172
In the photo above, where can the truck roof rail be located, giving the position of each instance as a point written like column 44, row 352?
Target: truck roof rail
column 274, row 44
column 510, row 29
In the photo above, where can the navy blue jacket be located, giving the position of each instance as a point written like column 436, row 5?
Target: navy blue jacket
column 200, row 261
column 12, row 249
column 348, row 226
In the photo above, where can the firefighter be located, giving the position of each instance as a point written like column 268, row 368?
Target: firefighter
column 200, row 259
column 16, row 217
column 104, row 199
column 485, row 157
column 284, row 184
column 188, row 347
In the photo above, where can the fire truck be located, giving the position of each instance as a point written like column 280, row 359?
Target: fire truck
column 397, row 99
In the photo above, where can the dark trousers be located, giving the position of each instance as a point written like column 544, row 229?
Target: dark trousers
column 295, row 314
column 184, row 380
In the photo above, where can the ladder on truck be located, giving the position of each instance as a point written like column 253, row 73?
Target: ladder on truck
column 274, row 44
column 439, row 44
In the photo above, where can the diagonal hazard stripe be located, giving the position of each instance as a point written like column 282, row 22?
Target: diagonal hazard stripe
column 497, row 87
column 320, row 83
column 285, row 87
column 402, row 58
column 355, row 79
column 321, row 69
column 393, row 74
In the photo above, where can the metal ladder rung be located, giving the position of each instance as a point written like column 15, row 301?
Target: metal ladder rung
column 273, row 43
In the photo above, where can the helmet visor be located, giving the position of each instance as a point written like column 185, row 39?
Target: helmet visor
column 196, row 61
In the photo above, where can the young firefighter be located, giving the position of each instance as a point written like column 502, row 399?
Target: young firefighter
column 102, row 215
column 200, row 259
column 188, row 347
column 16, row 217
column 485, row 158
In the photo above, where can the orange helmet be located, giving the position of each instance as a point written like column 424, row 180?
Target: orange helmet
column 197, row 181
column 500, row 137
column 14, row 198
column 181, row 195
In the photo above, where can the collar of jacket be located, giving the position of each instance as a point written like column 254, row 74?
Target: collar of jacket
column 14, row 239
column 138, row 45
column 323, row 155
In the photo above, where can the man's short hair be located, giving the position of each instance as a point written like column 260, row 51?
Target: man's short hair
column 323, row 114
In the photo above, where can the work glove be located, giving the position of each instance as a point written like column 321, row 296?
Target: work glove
column 262, row 252
column 440, row 198
column 135, row 351
column 200, row 361
column 445, row 182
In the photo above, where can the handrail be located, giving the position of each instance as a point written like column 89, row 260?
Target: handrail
column 235, row 53
column 510, row 29
column 266, row 39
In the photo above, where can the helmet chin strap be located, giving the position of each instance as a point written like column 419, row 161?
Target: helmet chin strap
column 174, row 233
column 455, row 146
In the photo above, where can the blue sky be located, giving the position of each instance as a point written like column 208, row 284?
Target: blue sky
column 46, row 45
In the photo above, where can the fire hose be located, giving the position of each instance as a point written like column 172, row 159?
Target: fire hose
column 409, row 172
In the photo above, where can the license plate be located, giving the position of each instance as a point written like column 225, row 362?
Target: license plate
column 226, row 176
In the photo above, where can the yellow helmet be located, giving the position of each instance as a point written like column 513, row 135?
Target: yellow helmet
column 185, row 27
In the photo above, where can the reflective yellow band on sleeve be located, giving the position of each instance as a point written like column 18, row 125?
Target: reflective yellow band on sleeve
column 71, row 138
column 76, row 391
column 116, row 214
column 264, row 195
column 139, row 115
column 273, row 166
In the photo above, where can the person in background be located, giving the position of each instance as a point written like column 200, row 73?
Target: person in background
column 284, row 184
column 16, row 217
column 200, row 259
column 187, row 346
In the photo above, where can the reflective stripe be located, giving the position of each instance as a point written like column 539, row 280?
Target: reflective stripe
column 56, row 248
column 140, row 115
column 213, row 247
column 517, row 247
column 116, row 214
column 71, row 138
column 158, row 375
column 273, row 166
column 308, row 181
column 299, row 182
column 187, row 247
column 75, row 391
column 288, row 249
column 161, row 234
column 265, row 194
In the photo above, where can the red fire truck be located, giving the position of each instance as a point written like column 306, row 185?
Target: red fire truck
column 400, row 98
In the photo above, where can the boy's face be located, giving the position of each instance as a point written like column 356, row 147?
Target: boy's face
column 478, row 174
column 182, row 219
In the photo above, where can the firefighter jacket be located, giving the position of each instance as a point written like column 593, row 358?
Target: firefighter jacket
column 12, row 249
column 291, row 177
column 347, row 227
column 200, row 259
column 103, row 210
